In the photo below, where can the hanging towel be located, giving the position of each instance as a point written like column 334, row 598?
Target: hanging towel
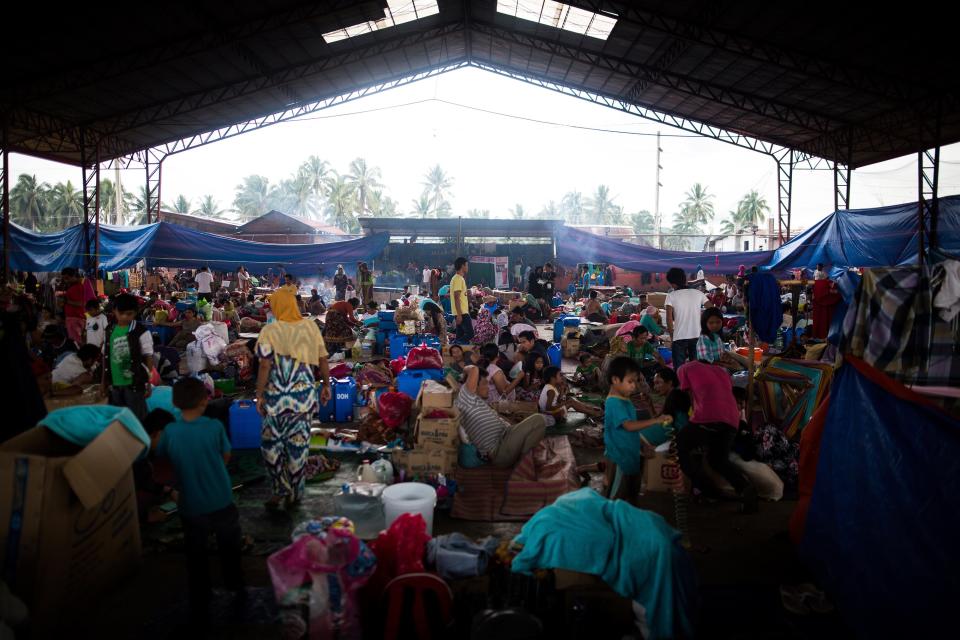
column 766, row 309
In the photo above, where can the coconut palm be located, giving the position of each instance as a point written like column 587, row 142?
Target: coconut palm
column 363, row 179
column 602, row 210
column 382, row 206
column 66, row 205
column 340, row 203
column 697, row 210
column 517, row 212
column 210, row 208
column 550, row 211
column 436, row 187
column 295, row 196
column 28, row 202
column 138, row 208
column 421, row 207
column 315, row 171
column 752, row 210
column 478, row 213
column 182, row 204
column 676, row 242
column 572, row 207
column 643, row 225
column 253, row 197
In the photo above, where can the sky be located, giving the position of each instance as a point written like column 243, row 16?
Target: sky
column 482, row 129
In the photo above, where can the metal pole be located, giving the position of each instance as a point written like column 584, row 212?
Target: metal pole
column 5, row 196
column 656, row 203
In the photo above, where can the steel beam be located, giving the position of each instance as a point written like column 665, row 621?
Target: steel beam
column 90, row 166
column 154, row 168
column 785, row 162
column 841, row 186
column 928, row 204
column 5, row 199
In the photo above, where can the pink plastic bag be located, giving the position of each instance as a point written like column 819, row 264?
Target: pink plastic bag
column 397, row 365
column 424, row 357
column 399, row 550
column 394, row 408
column 314, row 572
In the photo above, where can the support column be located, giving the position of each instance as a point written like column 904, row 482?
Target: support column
column 928, row 169
column 154, row 165
column 5, row 200
column 784, row 194
column 841, row 186
column 90, row 163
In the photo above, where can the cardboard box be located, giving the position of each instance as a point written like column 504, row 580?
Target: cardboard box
column 659, row 300
column 437, row 433
column 571, row 347
column 659, row 474
column 68, row 519
column 426, row 461
column 434, row 394
column 564, row 579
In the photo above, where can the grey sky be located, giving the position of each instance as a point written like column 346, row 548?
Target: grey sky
column 497, row 162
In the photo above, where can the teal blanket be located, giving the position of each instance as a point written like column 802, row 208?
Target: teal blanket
column 81, row 425
column 634, row 551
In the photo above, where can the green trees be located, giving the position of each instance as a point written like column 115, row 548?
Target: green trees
column 66, row 205
column 252, row 197
column 517, row 212
column 363, row 179
column 571, row 206
column 601, row 208
column 436, row 187
column 210, row 208
column 341, row 202
column 29, row 203
column 751, row 211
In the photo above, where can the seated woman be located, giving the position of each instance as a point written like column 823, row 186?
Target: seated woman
column 434, row 321
column 592, row 310
column 484, row 330
column 501, row 389
column 676, row 403
column 650, row 318
column 340, row 323
column 534, row 366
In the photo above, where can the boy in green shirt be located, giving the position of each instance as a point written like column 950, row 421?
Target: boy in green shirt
column 644, row 353
column 127, row 358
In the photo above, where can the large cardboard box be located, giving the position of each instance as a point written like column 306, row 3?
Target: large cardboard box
column 426, row 461
column 68, row 519
column 433, row 394
column 438, row 433
column 659, row 300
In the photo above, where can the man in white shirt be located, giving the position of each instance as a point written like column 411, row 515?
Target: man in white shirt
column 684, row 307
column 204, row 281
column 96, row 324
column 74, row 368
column 425, row 289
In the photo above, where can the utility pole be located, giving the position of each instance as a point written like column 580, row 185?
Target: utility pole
column 117, row 196
column 656, row 205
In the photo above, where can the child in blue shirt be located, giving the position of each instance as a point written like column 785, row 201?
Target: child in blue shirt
column 198, row 448
column 623, row 434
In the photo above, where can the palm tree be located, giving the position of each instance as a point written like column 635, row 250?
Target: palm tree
column 138, row 207
column 182, row 204
column 340, row 202
column 436, row 187
column 253, row 197
column 550, row 211
column 697, row 209
column 643, row 223
column 210, row 208
column 382, row 206
column 478, row 213
column 752, row 210
column 315, row 170
column 421, row 207
column 28, row 202
column 572, row 207
column 295, row 196
column 602, row 209
column 517, row 212
column 66, row 205
column 363, row 179
column 676, row 242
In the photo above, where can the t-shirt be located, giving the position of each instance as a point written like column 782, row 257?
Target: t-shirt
column 544, row 399
column 711, row 390
column 196, row 450
column 121, row 365
column 484, row 426
column 648, row 321
column 642, row 352
column 520, row 327
column 204, row 280
column 96, row 328
column 686, row 304
column 75, row 294
column 426, row 275
column 622, row 446
column 68, row 369
column 458, row 291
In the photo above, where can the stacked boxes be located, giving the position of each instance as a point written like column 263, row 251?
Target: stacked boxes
column 436, row 434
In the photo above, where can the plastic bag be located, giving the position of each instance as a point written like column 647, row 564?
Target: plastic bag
column 321, row 573
column 424, row 357
column 374, row 375
column 342, row 370
column 399, row 550
column 394, row 408
column 397, row 365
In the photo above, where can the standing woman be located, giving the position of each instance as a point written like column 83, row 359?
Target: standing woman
column 288, row 349
column 243, row 279
column 365, row 276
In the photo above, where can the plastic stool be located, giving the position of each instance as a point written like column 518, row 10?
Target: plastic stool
column 422, row 600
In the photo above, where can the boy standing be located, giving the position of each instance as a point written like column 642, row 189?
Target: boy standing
column 622, row 430
column 198, row 448
column 96, row 324
column 127, row 358
column 458, row 301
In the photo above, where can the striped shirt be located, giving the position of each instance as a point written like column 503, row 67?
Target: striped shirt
column 709, row 348
column 483, row 425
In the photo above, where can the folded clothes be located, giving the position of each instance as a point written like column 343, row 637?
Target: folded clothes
column 457, row 556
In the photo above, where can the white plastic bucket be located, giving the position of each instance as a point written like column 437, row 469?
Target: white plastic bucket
column 410, row 497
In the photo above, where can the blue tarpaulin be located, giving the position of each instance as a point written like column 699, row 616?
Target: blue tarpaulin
column 881, row 530
column 164, row 244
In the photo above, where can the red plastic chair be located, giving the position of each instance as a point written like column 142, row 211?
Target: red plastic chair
column 430, row 619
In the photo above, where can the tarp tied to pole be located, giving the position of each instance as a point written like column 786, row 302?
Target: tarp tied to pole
column 164, row 244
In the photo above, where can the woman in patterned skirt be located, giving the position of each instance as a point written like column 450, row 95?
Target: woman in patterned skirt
column 288, row 349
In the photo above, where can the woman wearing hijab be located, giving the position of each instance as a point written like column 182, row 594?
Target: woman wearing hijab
column 288, row 349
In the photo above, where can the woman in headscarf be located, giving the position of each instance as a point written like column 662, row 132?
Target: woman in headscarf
column 288, row 349
column 433, row 319
column 340, row 322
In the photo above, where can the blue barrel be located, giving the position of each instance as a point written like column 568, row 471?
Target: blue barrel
column 344, row 396
column 245, row 425
column 555, row 353
column 410, row 380
column 327, row 412
column 398, row 345
column 561, row 324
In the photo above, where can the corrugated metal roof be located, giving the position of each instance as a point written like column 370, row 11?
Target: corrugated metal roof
column 828, row 79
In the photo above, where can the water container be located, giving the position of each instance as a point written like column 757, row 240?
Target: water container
column 362, row 504
column 327, row 412
column 410, row 380
column 398, row 343
column 666, row 353
column 344, row 397
column 384, row 471
column 245, row 425
column 561, row 324
column 555, row 353
column 365, row 472
column 409, row 497
column 385, row 316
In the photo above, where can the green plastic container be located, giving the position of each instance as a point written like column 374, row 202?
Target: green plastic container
column 226, row 385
